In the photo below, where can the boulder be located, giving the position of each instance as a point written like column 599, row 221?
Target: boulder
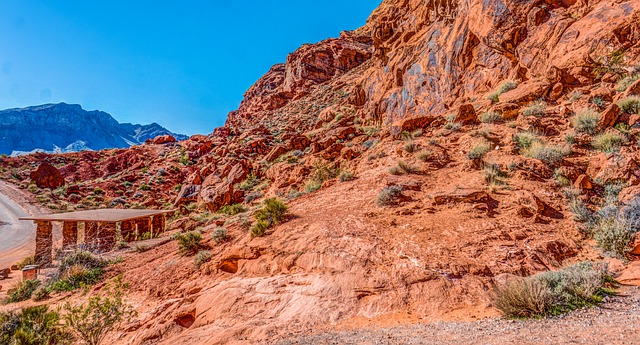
column 609, row 117
column 299, row 142
column 276, row 152
column 47, row 176
column 509, row 111
column 161, row 139
column 583, row 182
column 466, row 115
column 411, row 124
column 188, row 194
column 4, row 273
column 526, row 92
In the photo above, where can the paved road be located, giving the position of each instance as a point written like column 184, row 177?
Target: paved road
column 17, row 237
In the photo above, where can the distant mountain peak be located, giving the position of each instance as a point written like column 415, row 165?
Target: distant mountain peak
column 62, row 127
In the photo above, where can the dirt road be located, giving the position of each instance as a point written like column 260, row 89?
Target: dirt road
column 17, row 237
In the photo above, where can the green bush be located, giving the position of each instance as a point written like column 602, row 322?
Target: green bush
column 410, row 147
column 22, row 291
column 232, row 210
column 389, row 196
column 535, row 109
column 493, row 175
column 598, row 101
column 614, row 237
column 586, row 121
column 554, row 292
column 29, row 260
column 524, row 140
column 249, row 183
column 630, row 105
column 490, row 117
column 479, row 150
column 201, row 258
column 33, row 326
column 507, row 85
column 608, row 142
column 220, row 235
column 272, row 212
column 312, row 186
column 346, row 176
column 189, row 243
column 549, row 154
column 91, row 322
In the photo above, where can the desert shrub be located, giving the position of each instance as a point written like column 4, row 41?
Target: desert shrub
column 189, row 243
column 608, row 142
column 405, row 135
column 554, row 292
column 33, row 326
column 535, row 109
column 561, row 179
column 232, row 210
column 524, row 140
column 92, row 321
column 574, row 96
column 201, row 258
column 402, row 168
column 321, row 172
column 630, row 105
column 389, row 195
column 624, row 83
column 586, row 121
column 272, row 212
column 40, row 293
column 490, row 117
column 249, row 183
column 22, row 291
column 507, row 85
column 549, row 154
column 493, row 175
column 77, row 270
column 410, row 147
column 598, row 101
column 453, row 126
column 220, row 235
column 613, row 236
column 346, row 176
column 424, row 155
column 253, row 196
column 312, row 186
column 479, row 150
column 29, row 260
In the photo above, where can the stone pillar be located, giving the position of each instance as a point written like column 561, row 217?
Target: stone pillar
column 157, row 224
column 44, row 243
column 128, row 230
column 107, row 236
column 91, row 235
column 69, row 235
column 144, row 225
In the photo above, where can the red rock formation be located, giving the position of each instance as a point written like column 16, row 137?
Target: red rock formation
column 47, row 176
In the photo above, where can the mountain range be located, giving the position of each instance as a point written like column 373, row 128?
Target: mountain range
column 60, row 128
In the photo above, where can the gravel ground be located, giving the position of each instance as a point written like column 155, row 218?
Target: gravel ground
column 617, row 321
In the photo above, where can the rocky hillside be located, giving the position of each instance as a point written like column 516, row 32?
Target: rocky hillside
column 66, row 128
column 441, row 148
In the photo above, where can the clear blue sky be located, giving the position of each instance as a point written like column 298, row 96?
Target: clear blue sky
column 183, row 64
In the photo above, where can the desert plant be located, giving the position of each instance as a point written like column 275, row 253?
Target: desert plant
column 554, row 292
column 549, row 154
column 272, row 212
column 586, row 121
column 220, row 235
column 630, row 105
column 232, row 210
column 33, row 326
column 479, row 150
column 624, row 83
column 22, row 291
column 346, row 176
column 507, row 85
column 201, row 258
column 410, row 147
column 249, row 183
column 493, row 174
column 91, row 322
column 608, row 142
column 613, row 236
column 189, row 243
column 29, row 260
column 389, row 195
column 490, row 117
column 524, row 140
column 535, row 109
column 424, row 155
column 312, row 185
column 453, row 126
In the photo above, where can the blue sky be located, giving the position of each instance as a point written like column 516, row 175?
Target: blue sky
column 183, row 64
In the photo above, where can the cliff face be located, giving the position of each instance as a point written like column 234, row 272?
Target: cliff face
column 427, row 57
column 67, row 128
